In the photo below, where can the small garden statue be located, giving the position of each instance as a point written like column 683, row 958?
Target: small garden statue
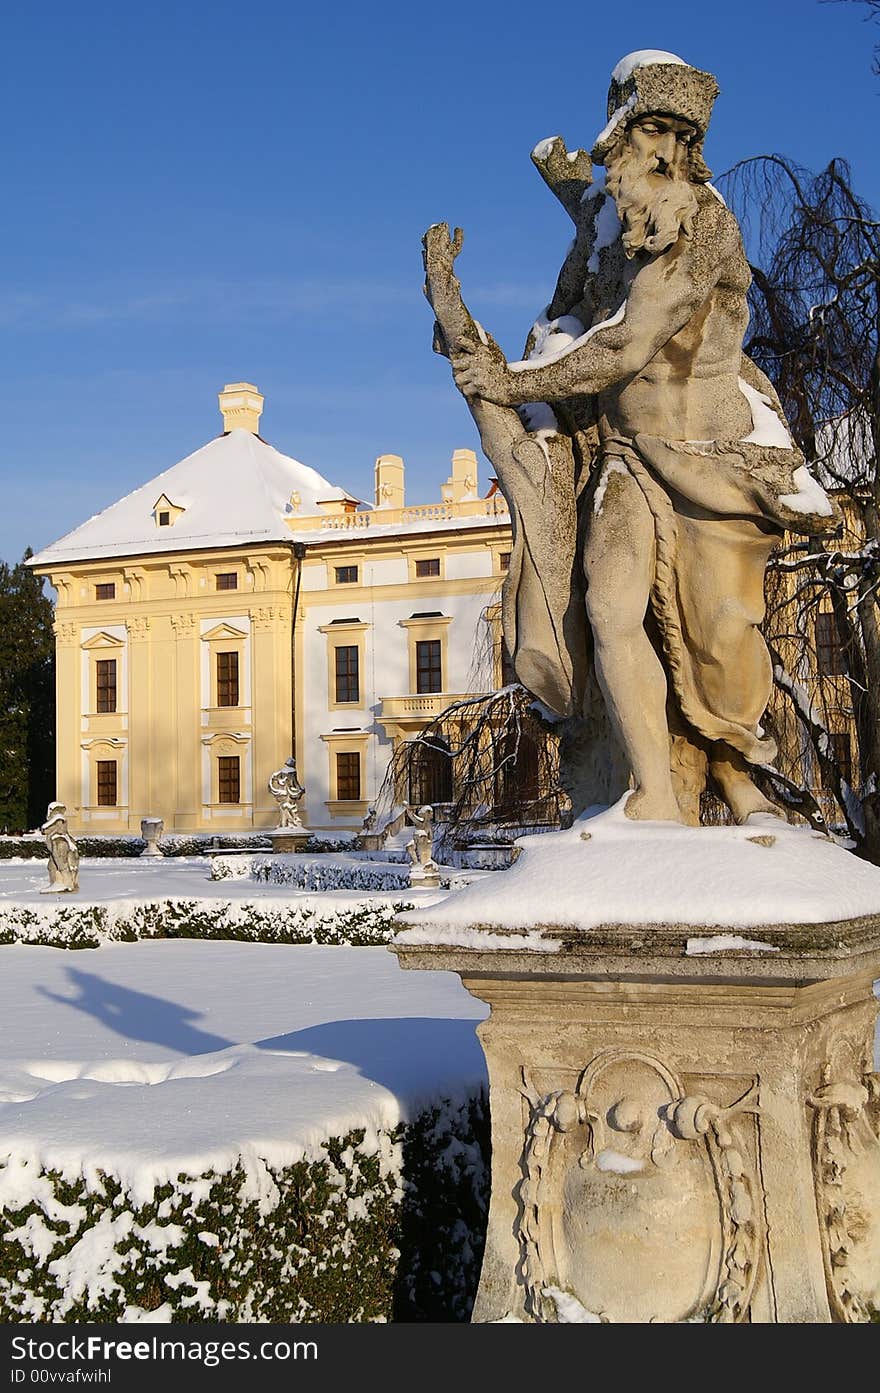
column 424, row 869
column 287, row 791
column 63, row 852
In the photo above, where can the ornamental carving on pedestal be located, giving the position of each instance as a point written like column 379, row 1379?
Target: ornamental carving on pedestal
column 846, row 1168
column 639, row 1200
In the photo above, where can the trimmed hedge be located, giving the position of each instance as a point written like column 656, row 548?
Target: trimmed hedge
column 68, row 925
column 380, row 1229
column 35, row 849
column 302, row 874
column 30, row 847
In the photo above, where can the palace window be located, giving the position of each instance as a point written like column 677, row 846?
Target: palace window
column 830, row 657
column 346, row 575
column 229, row 779
column 227, row 680
column 347, row 674
column 429, row 567
column 106, row 771
column 227, row 580
column 504, row 560
column 429, row 666
column 105, row 685
column 430, row 773
column 841, row 753
column 348, row 775
column 106, row 590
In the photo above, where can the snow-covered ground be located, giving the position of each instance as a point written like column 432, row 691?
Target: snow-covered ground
column 119, row 879
column 149, row 1059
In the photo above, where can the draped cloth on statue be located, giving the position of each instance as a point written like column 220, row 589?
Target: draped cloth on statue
column 542, row 600
column 719, row 508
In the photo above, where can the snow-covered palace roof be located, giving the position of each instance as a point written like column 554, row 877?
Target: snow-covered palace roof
column 234, row 490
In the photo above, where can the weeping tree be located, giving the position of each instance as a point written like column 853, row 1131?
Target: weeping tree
column 815, row 330
column 486, row 763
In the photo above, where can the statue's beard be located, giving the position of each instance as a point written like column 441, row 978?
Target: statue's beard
column 653, row 208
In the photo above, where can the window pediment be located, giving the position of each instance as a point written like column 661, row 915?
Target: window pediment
column 224, row 632
column 103, row 640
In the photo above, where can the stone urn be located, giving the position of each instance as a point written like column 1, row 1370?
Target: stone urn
column 151, row 830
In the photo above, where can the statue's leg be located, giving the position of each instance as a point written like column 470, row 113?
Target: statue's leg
column 730, row 772
column 619, row 567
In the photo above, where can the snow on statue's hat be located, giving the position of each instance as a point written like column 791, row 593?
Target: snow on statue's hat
column 653, row 82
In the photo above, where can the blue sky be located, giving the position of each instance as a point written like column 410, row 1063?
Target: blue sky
column 204, row 193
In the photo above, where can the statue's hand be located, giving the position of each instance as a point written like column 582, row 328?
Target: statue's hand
column 481, row 372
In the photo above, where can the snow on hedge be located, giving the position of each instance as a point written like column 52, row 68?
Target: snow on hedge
column 230, row 1132
column 313, row 873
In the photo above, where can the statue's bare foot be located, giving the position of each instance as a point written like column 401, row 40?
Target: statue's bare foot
column 644, row 806
column 746, row 802
column 764, row 817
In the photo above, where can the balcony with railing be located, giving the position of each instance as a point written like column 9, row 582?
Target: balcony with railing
column 401, row 714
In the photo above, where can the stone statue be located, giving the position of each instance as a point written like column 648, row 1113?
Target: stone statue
column 63, row 853
column 646, row 460
column 420, row 849
column 287, row 791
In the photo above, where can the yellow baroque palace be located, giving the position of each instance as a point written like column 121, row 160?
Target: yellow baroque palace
column 240, row 606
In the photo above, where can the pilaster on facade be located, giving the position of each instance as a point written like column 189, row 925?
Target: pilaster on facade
column 184, row 625
column 182, row 576
column 268, row 617
column 135, row 577
column 66, row 634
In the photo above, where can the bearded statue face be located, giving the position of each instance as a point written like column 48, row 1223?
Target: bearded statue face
column 648, row 174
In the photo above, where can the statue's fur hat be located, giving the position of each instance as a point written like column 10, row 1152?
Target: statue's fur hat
column 669, row 88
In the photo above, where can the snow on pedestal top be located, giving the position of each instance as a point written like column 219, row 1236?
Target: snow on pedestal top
column 609, row 870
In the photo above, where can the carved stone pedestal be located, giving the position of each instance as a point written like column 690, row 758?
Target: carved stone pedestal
column 288, row 838
column 680, row 1135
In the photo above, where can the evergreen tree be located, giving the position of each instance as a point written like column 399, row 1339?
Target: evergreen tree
column 27, row 698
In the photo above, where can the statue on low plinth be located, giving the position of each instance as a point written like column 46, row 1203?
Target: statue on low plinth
column 288, row 792
column 684, row 1109
column 285, row 787
column 63, row 853
column 646, row 460
column 420, row 849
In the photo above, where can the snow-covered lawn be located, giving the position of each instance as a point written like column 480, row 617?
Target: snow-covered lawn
column 122, row 899
column 158, row 1063
column 112, row 880
column 153, row 1058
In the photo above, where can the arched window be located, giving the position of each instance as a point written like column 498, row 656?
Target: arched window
column 518, row 777
column 430, row 772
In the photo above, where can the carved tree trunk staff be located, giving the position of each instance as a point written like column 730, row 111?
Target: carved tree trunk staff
column 543, row 612
column 544, row 622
